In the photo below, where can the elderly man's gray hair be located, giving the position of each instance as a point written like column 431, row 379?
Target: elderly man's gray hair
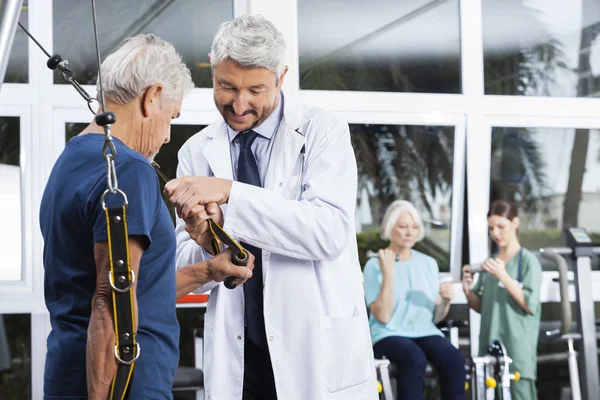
column 140, row 62
column 252, row 41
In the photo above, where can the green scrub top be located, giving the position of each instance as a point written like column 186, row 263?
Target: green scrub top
column 503, row 319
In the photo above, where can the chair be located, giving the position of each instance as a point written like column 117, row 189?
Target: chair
column 386, row 370
column 192, row 378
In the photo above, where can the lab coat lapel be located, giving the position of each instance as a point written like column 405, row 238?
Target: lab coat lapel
column 218, row 153
column 288, row 142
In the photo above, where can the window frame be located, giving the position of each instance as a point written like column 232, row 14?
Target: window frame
column 23, row 287
column 44, row 105
column 456, row 121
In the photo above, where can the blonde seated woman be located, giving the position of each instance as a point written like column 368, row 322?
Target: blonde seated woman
column 406, row 301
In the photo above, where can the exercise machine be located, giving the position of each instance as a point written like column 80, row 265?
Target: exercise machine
column 564, row 333
column 578, row 252
column 490, row 370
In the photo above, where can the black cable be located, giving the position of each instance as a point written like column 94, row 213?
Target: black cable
column 57, row 62
column 101, row 91
column 36, row 42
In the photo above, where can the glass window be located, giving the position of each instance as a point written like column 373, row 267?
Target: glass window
column 10, row 199
column 17, row 70
column 189, row 24
column 15, row 356
column 405, row 162
column 397, row 46
column 166, row 158
column 542, row 48
column 552, row 174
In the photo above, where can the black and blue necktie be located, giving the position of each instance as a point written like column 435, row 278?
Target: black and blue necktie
column 247, row 172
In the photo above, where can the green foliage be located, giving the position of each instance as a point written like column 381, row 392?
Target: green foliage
column 536, row 239
column 371, row 241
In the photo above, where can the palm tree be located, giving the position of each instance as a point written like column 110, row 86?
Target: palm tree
column 517, row 170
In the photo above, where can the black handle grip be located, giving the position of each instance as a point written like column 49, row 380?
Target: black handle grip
column 236, row 259
column 53, row 61
column 229, row 283
column 105, row 118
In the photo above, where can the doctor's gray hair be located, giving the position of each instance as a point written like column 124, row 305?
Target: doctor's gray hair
column 140, row 62
column 393, row 213
column 252, row 41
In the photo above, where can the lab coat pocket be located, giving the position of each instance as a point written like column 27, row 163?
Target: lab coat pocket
column 344, row 348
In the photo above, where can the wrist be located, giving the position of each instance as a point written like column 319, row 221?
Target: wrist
column 387, row 276
column 445, row 302
column 201, row 269
column 228, row 185
column 504, row 277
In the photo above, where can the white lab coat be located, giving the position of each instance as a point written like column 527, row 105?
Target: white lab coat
column 315, row 315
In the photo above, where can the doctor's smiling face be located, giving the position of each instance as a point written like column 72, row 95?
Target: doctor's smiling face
column 245, row 97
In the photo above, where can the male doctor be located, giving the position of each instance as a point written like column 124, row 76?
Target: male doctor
column 285, row 175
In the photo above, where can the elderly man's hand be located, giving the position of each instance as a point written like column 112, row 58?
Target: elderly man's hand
column 220, row 267
column 189, row 191
column 196, row 224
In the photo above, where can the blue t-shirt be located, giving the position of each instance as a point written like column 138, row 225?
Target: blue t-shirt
column 416, row 288
column 72, row 220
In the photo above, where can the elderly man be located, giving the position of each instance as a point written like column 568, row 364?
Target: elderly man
column 286, row 174
column 144, row 82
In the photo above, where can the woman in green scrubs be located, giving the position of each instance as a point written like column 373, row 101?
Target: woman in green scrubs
column 507, row 295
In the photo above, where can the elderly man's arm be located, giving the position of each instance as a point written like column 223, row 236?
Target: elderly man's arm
column 101, row 365
column 215, row 269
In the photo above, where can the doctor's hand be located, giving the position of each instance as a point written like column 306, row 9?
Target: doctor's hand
column 189, row 191
column 196, row 224
column 220, row 267
column 495, row 267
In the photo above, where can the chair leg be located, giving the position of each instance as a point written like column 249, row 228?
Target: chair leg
column 384, row 373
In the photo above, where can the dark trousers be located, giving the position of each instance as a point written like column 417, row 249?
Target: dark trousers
column 410, row 356
column 259, row 382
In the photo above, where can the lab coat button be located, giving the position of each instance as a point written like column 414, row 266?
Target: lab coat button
column 239, row 337
column 271, row 338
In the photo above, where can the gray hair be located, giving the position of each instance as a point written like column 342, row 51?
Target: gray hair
column 252, row 41
column 140, row 62
column 393, row 213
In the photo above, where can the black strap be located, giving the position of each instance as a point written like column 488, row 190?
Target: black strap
column 127, row 350
column 239, row 255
